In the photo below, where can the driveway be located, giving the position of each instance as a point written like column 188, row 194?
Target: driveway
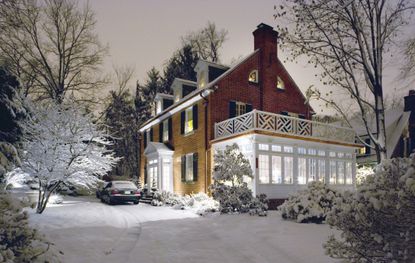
column 86, row 230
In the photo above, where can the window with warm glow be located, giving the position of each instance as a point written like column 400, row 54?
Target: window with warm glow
column 280, row 83
column 362, row 150
column 253, row 76
column 188, row 125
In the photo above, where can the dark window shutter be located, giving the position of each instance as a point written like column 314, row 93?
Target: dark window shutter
column 161, row 132
column 195, row 168
column 170, row 128
column 248, row 108
column 182, row 120
column 183, row 165
column 151, row 134
column 195, row 117
column 284, row 113
column 145, row 139
column 232, row 109
column 367, row 141
column 301, row 116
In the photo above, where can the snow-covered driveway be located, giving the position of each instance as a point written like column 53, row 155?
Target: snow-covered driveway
column 88, row 231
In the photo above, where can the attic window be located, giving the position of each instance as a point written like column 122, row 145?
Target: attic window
column 202, row 80
column 253, row 76
column 280, row 84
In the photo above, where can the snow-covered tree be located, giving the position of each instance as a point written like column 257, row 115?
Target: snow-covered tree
column 377, row 221
column 309, row 205
column 63, row 145
column 231, row 171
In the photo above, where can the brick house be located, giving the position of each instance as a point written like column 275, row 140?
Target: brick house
column 255, row 104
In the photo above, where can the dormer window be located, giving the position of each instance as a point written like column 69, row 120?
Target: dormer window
column 253, row 76
column 280, row 84
column 202, row 80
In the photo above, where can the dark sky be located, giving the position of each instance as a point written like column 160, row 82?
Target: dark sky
column 143, row 33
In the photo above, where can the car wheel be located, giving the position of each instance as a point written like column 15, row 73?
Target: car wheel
column 136, row 202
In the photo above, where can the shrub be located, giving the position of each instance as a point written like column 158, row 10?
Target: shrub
column 310, row 205
column 18, row 241
column 201, row 203
column 229, row 187
column 377, row 221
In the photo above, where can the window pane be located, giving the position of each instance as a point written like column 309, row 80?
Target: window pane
column 302, row 170
column 276, row 148
column 333, row 172
column 349, row 179
column 312, row 170
column 288, row 149
column 263, row 169
column 288, row 170
column 312, row 151
column 302, row 150
column 322, row 153
column 276, row 170
column 322, row 170
column 340, row 155
column 189, row 167
column 189, row 120
column 340, row 177
column 165, row 130
column 332, row 154
column 263, row 147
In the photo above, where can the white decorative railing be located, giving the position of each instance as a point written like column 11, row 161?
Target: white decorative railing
column 266, row 121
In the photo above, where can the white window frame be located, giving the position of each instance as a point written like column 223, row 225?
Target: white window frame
column 253, row 79
column 188, row 128
column 166, row 130
column 240, row 108
column 189, row 176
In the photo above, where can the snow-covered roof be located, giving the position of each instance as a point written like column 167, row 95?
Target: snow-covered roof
column 395, row 122
column 157, row 148
column 165, row 113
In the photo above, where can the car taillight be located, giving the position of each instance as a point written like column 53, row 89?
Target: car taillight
column 137, row 193
column 113, row 192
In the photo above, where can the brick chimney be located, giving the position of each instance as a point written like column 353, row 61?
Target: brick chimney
column 409, row 105
column 265, row 38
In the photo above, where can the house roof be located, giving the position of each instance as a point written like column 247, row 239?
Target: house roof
column 395, row 122
column 165, row 113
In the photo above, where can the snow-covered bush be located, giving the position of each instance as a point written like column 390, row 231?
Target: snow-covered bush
column 201, row 203
column 18, row 241
column 310, row 204
column 61, row 145
column 229, row 188
column 377, row 221
column 362, row 172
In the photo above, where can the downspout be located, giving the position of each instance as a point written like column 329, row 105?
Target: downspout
column 204, row 94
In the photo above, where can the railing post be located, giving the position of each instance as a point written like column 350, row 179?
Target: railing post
column 216, row 130
column 254, row 119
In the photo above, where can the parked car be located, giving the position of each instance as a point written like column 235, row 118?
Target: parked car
column 120, row 191
column 100, row 189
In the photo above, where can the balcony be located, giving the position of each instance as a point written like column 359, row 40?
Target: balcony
column 283, row 125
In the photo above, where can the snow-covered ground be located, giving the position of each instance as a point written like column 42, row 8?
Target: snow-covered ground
column 86, row 230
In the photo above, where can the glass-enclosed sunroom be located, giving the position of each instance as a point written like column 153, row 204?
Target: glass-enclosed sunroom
column 286, row 152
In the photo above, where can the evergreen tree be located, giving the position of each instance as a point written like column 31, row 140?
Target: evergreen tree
column 120, row 117
column 181, row 65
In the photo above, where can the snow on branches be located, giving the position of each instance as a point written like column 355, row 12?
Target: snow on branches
column 63, row 145
column 377, row 221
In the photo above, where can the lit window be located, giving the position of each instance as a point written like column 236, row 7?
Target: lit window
column 288, row 170
column 263, row 147
column 165, row 130
column 302, row 170
column 276, row 148
column 322, row 170
column 288, row 149
column 240, row 108
column 280, row 83
column 188, row 124
column 333, row 172
column 276, row 170
column 362, row 150
column 312, row 166
column 349, row 179
column 202, row 79
column 263, row 169
column 302, row 150
column 253, row 76
column 340, row 177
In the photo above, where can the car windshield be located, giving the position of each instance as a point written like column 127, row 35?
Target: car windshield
column 124, row 185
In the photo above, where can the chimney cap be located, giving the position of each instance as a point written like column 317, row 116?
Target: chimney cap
column 264, row 26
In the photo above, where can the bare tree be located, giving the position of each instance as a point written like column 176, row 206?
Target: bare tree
column 123, row 75
column 206, row 42
column 409, row 68
column 348, row 40
column 52, row 48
